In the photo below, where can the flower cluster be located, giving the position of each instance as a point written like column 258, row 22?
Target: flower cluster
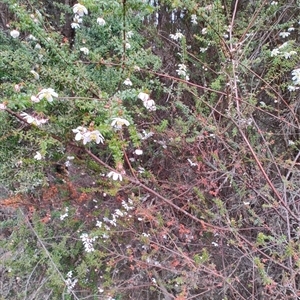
column 76, row 22
column 68, row 161
column 296, row 80
column 147, row 102
column 66, row 214
column 182, row 71
column 285, row 34
column 129, row 35
column 283, row 51
column 116, row 215
column 88, row 242
column 79, row 11
column 70, row 283
column 32, row 120
column 194, row 19
column 177, row 36
column 88, row 136
column 296, row 76
column 115, row 176
column 145, row 135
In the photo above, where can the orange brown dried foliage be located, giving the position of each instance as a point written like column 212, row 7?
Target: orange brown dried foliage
column 47, row 198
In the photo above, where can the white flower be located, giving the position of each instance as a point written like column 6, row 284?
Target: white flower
column 29, row 119
column 274, row 3
column 17, row 88
column 75, row 25
column 287, row 55
column 88, row 136
column 194, row 19
column 149, row 104
column 292, row 88
column 35, row 75
column 85, row 50
column 202, row 50
column 291, row 29
column 275, row 52
column 182, row 71
column 70, row 283
column 143, row 96
column 126, row 206
column 204, row 31
column 15, row 34
column 119, row 122
column 38, row 156
column 66, row 214
column 32, row 120
column 296, row 76
column 91, row 136
column 99, row 224
column 88, row 242
column 144, row 135
column 127, row 46
column 182, row 67
column 129, row 34
column 37, row 47
column 31, row 37
column 177, row 36
column 138, row 152
column 291, row 143
column 35, row 99
column 127, row 82
column 284, row 34
column 101, row 21
column 77, row 19
column 80, row 131
column 80, row 10
column 114, row 175
column 48, row 94
column 192, row 164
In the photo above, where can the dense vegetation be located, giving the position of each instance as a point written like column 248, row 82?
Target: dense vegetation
column 149, row 150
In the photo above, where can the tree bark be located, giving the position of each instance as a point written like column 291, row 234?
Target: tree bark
column 4, row 16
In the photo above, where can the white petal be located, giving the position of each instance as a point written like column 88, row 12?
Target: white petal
column 138, row 152
column 143, row 96
column 78, row 136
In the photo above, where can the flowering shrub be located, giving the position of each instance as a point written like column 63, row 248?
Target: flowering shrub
column 139, row 162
